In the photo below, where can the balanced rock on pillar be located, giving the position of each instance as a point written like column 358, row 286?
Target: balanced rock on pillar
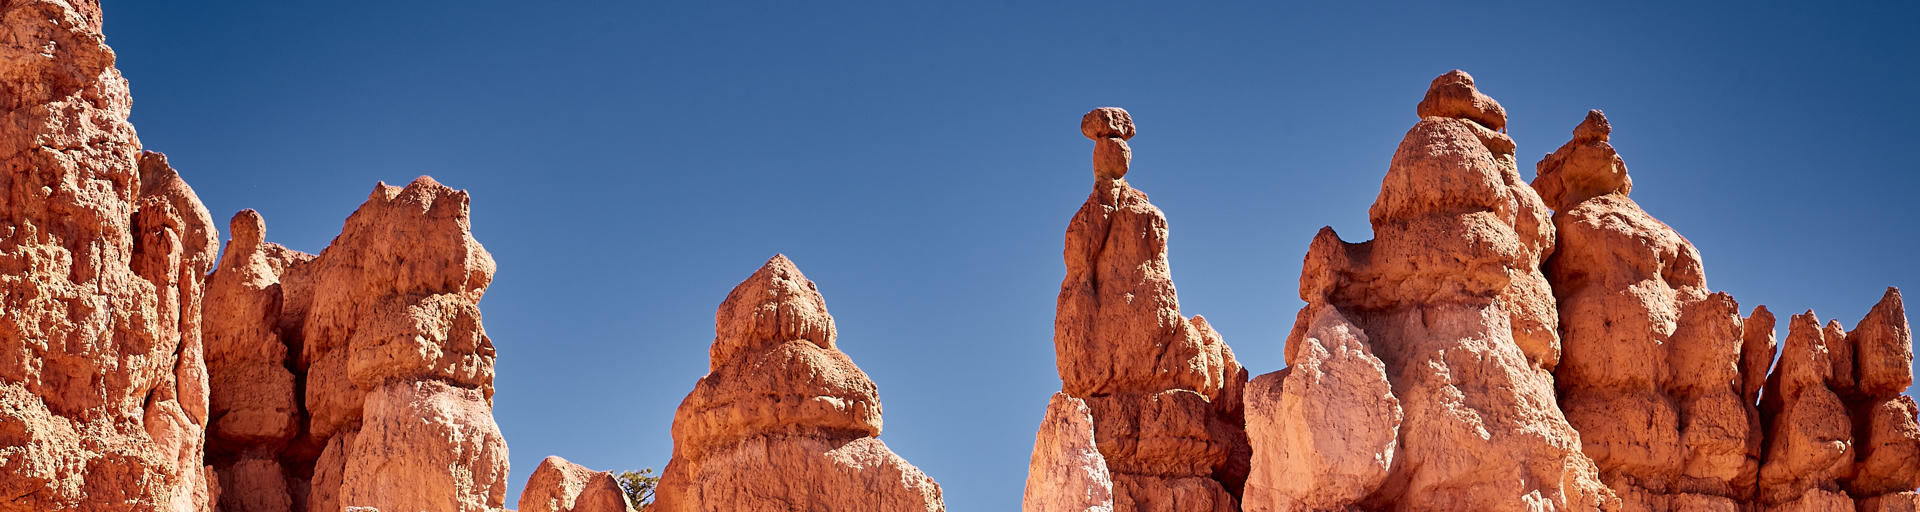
column 1164, row 390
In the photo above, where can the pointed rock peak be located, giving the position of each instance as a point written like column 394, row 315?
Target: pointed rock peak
column 1584, row 168
column 1106, row 122
column 1109, row 127
column 1883, row 348
column 1890, row 308
column 247, row 228
column 775, row 305
column 1594, row 128
column 1453, row 95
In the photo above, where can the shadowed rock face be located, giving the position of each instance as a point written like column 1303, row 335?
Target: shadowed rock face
column 1450, row 300
column 103, row 389
column 1163, row 389
column 784, row 420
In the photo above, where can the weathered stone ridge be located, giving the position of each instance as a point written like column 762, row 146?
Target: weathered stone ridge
column 784, row 420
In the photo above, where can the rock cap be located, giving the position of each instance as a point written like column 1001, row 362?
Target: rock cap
column 1107, row 122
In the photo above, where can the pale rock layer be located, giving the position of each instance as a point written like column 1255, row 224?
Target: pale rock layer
column 1067, row 472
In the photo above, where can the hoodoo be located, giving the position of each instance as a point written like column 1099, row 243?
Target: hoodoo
column 1163, row 389
column 784, row 420
column 1449, row 298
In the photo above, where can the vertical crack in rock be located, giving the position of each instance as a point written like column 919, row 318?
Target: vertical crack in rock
column 562, row 486
column 1163, row 389
column 784, row 420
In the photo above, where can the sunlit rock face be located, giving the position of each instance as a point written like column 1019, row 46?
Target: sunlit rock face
column 1653, row 373
column 361, row 376
column 562, row 486
column 784, row 420
column 103, row 388
column 1163, row 389
column 1449, row 299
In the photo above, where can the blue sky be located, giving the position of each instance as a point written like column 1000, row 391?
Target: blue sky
column 630, row 162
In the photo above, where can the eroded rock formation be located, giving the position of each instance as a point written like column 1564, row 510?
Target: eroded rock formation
column 380, row 334
column 1449, row 297
column 103, row 388
column 561, row 486
column 1652, row 374
column 1837, row 429
column 784, row 420
column 1164, row 390
column 1067, row 472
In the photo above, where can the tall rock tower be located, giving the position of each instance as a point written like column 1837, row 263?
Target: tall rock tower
column 1163, row 390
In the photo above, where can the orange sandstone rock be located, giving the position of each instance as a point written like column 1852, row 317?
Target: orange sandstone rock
column 103, row 389
column 1067, row 472
column 561, row 486
column 1164, row 390
column 1651, row 372
column 784, row 420
column 1325, row 429
column 1450, row 298
column 396, row 368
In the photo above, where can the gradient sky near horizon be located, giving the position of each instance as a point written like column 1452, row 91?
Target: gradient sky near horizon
column 630, row 162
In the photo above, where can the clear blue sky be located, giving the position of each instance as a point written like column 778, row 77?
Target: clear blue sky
column 630, row 162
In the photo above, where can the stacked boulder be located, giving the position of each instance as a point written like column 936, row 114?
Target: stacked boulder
column 1163, row 390
column 1444, row 331
column 103, row 389
column 381, row 335
column 1652, row 374
column 784, row 420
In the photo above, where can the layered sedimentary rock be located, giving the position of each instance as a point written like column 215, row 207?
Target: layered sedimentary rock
column 103, row 390
column 1164, row 390
column 1067, row 472
column 784, row 420
column 1837, row 429
column 1653, row 373
column 561, row 486
column 1449, row 297
column 361, row 376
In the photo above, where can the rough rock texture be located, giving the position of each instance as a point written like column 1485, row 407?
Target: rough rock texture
column 1164, row 389
column 1449, row 297
column 561, row 486
column 1651, row 373
column 1324, row 430
column 363, row 375
column 1067, row 472
column 784, row 420
column 1836, row 426
column 103, row 389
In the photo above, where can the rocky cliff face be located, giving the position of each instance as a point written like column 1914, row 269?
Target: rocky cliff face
column 132, row 379
column 784, row 420
column 103, row 389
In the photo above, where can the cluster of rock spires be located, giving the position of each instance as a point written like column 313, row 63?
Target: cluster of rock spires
column 1498, row 345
